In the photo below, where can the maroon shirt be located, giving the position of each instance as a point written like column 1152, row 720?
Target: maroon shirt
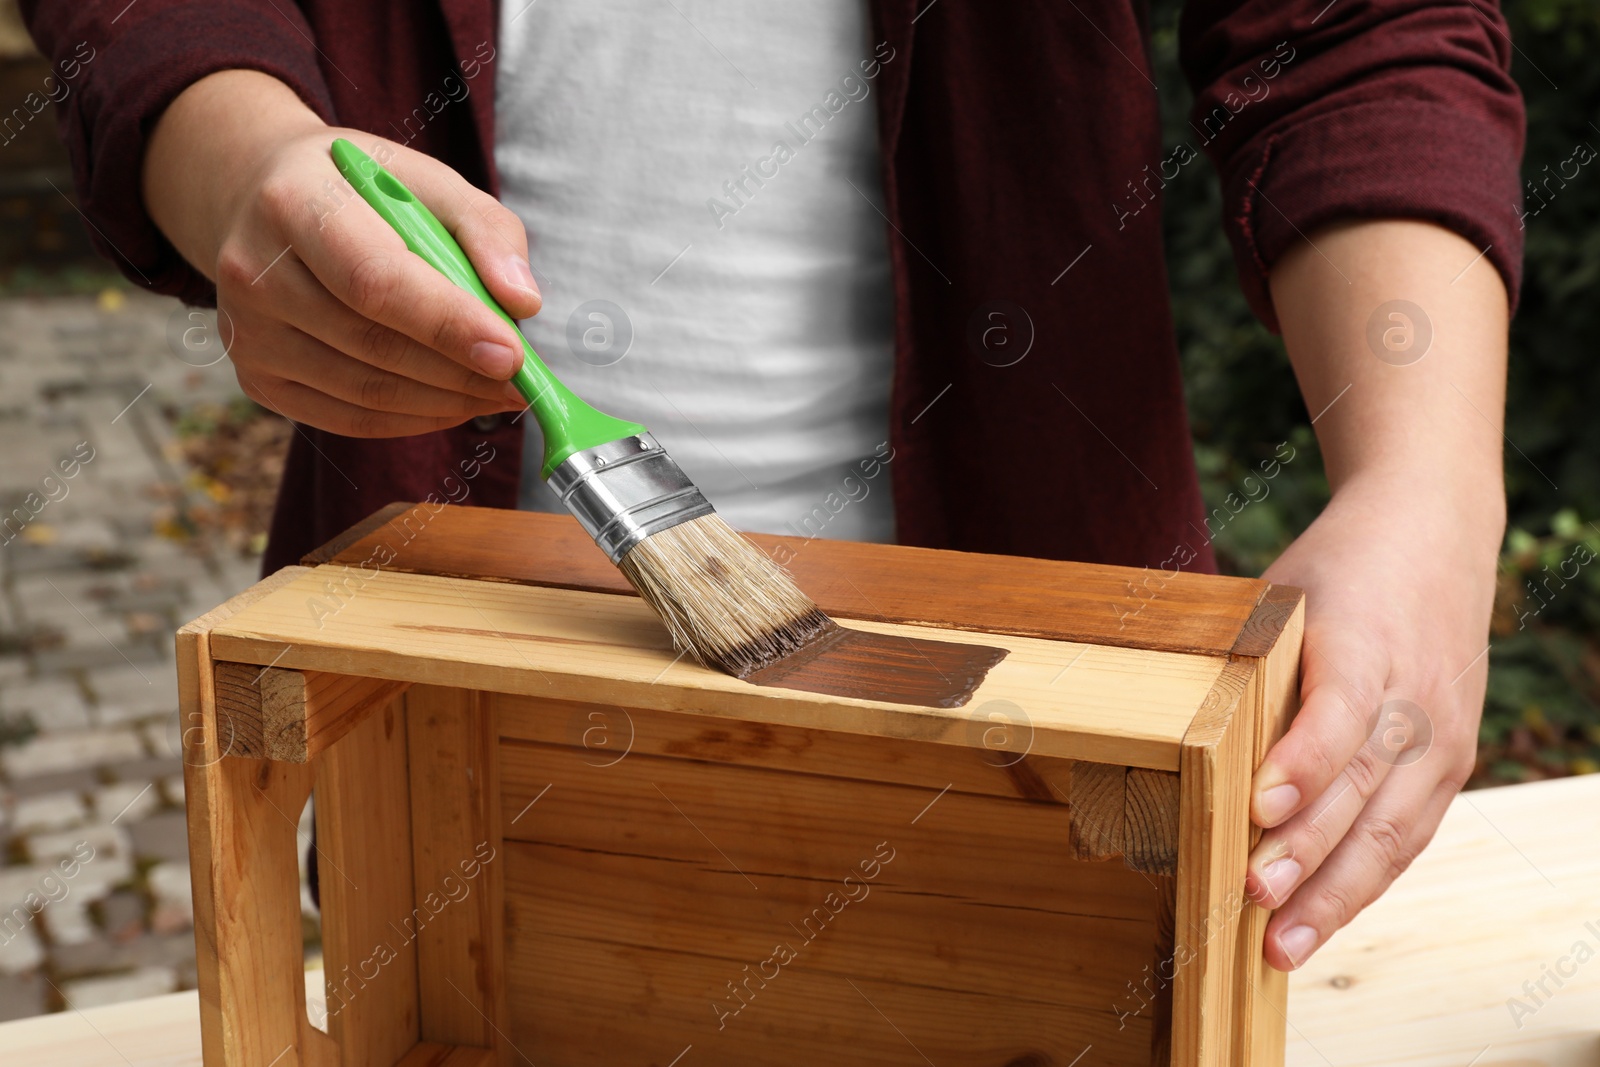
column 1020, row 145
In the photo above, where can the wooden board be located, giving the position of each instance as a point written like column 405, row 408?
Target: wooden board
column 640, row 888
column 244, row 865
column 1213, row 848
column 1110, row 705
column 1228, row 1005
column 1427, row 976
column 1171, row 611
column 1261, row 1007
column 458, row 866
column 1000, row 763
column 370, row 916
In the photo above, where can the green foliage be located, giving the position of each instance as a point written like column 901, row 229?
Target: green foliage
column 1543, row 710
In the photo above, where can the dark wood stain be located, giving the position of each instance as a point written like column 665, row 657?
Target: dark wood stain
column 884, row 667
column 1266, row 622
column 331, row 551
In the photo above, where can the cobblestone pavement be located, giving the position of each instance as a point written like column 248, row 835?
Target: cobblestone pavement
column 94, row 877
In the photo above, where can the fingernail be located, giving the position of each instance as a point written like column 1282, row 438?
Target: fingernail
column 1275, row 804
column 1280, row 877
column 521, row 275
column 494, row 359
column 1297, row 943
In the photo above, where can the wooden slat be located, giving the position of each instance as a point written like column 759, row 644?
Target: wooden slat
column 1116, row 606
column 638, row 889
column 244, row 865
column 608, row 734
column 457, row 854
column 548, row 796
column 1228, row 1005
column 1213, row 846
column 280, row 714
column 903, row 930
column 429, row 1054
column 650, row 1007
column 1264, row 996
column 1110, row 705
column 370, row 916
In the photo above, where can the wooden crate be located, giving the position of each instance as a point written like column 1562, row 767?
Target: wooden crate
column 544, row 839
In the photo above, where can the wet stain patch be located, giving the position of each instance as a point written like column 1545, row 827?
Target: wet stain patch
column 884, row 667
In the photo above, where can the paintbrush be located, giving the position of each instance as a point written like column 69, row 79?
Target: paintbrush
column 723, row 600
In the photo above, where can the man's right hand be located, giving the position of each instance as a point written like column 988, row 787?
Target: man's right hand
column 335, row 323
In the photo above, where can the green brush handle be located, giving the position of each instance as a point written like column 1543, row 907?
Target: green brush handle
column 568, row 423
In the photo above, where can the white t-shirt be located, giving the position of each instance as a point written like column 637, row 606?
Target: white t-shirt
column 698, row 179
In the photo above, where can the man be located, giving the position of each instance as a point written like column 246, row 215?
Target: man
column 1368, row 153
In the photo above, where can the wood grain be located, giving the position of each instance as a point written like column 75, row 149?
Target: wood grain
column 280, row 714
column 1263, row 998
column 1161, row 965
column 1150, row 821
column 885, row 1022
column 429, row 1054
column 1098, row 800
column 1116, row 606
column 1110, row 705
column 1269, row 622
column 457, row 855
column 1428, row 974
column 1214, row 843
column 610, row 734
column 638, row 889
column 340, row 543
column 245, row 874
column 370, row 913
column 547, row 796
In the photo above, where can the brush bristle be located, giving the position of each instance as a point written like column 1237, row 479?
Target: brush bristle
column 722, row 599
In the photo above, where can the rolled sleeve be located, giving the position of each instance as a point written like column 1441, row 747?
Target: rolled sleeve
column 1369, row 110
column 140, row 57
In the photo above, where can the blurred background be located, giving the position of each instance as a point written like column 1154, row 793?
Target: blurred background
column 174, row 473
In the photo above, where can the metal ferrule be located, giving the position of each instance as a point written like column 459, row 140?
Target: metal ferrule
column 624, row 491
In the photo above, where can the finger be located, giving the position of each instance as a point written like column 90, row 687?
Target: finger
column 1335, row 720
column 490, row 233
column 1389, row 834
column 321, row 315
column 1292, row 852
column 301, row 358
column 363, row 262
column 301, row 403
